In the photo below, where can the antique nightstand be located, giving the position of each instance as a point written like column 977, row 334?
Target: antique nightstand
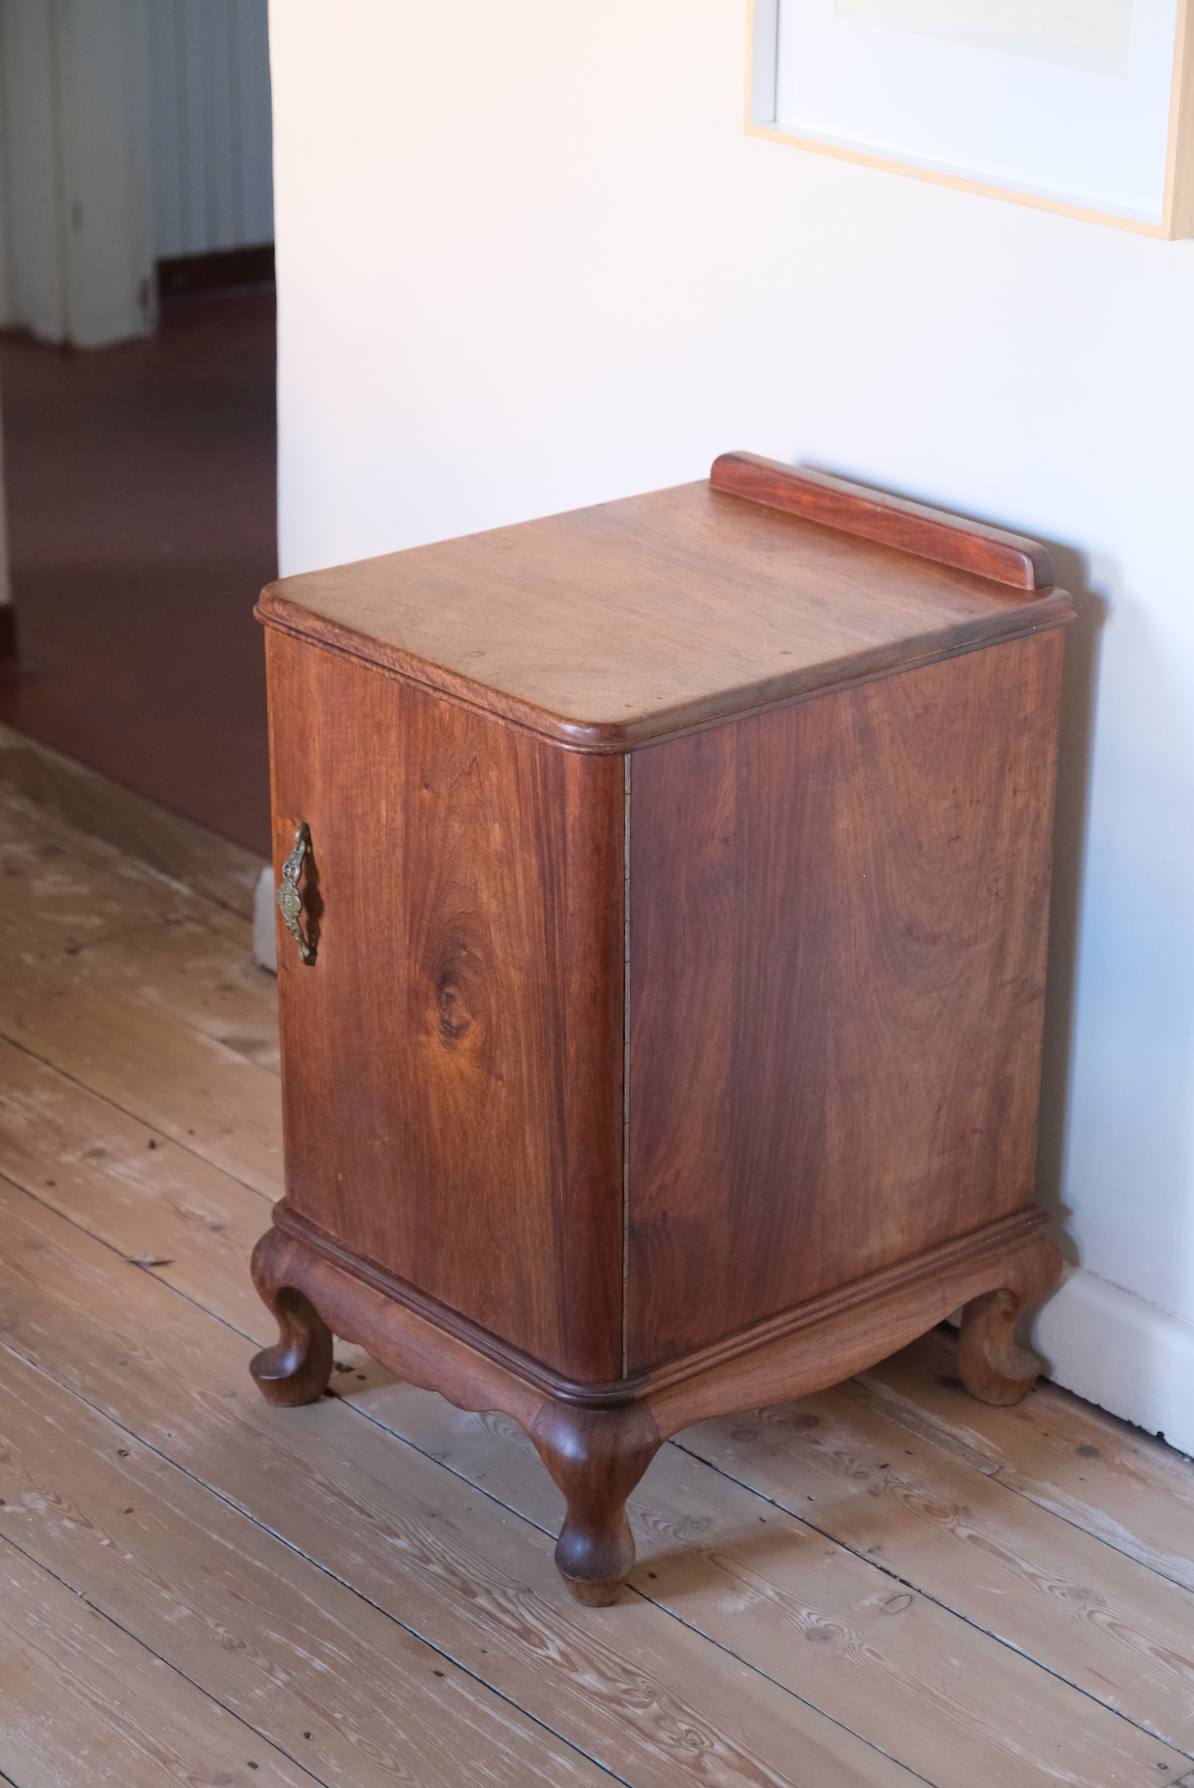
column 661, row 1026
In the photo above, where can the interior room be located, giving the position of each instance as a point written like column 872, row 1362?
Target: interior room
column 596, row 1168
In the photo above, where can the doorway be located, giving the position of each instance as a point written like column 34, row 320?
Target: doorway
column 141, row 472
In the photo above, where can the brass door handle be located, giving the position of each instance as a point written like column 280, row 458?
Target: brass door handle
column 289, row 900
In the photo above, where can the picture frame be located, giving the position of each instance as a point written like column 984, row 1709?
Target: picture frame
column 1084, row 108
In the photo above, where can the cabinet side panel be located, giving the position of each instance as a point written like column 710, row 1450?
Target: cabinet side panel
column 838, row 920
column 452, row 1062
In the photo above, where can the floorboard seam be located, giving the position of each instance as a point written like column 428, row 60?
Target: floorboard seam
column 905, row 1583
column 15, row 1043
column 118, row 937
column 845, row 1546
column 94, row 787
column 663, row 1609
column 229, row 1502
column 671, row 1614
column 215, row 1700
column 1059, row 1515
column 480, row 1489
column 887, row 1412
column 44, row 1203
column 882, row 1569
column 88, row 846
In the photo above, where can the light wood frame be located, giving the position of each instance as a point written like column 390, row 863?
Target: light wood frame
column 1177, row 213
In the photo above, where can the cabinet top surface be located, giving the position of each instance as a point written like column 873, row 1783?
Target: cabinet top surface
column 631, row 621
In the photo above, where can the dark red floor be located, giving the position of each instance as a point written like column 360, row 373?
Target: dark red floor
column 141, row 507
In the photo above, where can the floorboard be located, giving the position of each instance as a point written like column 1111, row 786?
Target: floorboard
column 882, row 1585
column 244, row 1617
column 62, row 787
column 632, row 1688
column 85, row 1702
column 929, row 1670
column 1045, row 1588
column 206, row 1096
column 1078, row 1462
column 155, row 1203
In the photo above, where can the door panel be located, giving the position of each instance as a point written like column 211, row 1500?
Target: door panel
column 452, row 1061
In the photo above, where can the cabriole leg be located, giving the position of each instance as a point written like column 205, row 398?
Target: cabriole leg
column 297, row 1368
column 990, row 1364
column 596, row 1456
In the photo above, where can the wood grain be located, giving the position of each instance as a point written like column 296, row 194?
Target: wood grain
column 798, row 1350
column 157, row 939
column 852, row 1074
column 273, row 1639
column 979, row 1509
column 152, row 1200
column 646, row 1698
column 453, row 1062
column 892, row 521
column 773, row 1589
column 1056, row 1593
column 848, row 1623
column 1065, row 1456
column 598, row 1440
column 901, row 1504
column 139, row 830
column 852, row 1330
column 204, row 1094
column 612, row 627
column 84, row 1703
column 842, row 1083
column 919, row 1656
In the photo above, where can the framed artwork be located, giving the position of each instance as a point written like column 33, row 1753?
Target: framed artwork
column 1084, row 107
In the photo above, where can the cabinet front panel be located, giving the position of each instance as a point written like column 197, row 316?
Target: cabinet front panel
column 838, row 921
column 452, row 1062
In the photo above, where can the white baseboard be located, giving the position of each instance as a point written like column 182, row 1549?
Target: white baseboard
column 1126, row 1355
column 265, row 937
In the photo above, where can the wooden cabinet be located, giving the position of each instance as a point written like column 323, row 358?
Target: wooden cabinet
column 664, row 1038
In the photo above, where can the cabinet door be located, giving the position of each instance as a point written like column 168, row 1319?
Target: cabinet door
column 452, row 1060
column 838, row 916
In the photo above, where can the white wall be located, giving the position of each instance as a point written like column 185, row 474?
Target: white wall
column 78, row 252
column 209, row 125
column 528, row 259
column 130, row 131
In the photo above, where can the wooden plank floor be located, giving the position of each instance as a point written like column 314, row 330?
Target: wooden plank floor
column 882, row 1585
